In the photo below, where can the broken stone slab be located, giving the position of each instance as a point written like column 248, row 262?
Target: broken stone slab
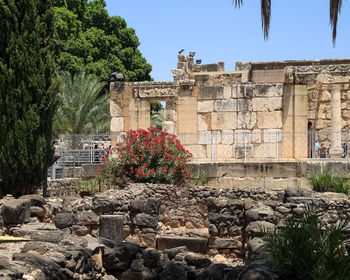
column 194, row 244
column 111, row 227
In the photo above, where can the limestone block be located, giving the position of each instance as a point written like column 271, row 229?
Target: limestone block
column 205, row 137
column 114, row 109
column 268, row 150
column 198, row 151
column 204, row 122
column 267, row 104
column 270, row 119
column 244, row 105
column 242, row 151
column 170, row 115
column 221, row 121
column 226, row 105
column 246, row 120
column 205, row 106
column 326, row 96
column 169, row 127
column 256, row 136
column 244, row 90
column 243, row 136
column 322, row 124
column 227, row 91
column 268, row 90
column 225, row 182
column 237, row 92
column 223, row 151
column 111, row 227
column 345, row 114
column 210, row 92
column 170, row 105
column 227, row 137
column 272, row 135
column 249, row 182
column 117, row 124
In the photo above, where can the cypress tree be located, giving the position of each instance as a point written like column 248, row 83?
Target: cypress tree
column 27, row 94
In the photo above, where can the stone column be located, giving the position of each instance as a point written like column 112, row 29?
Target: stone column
column 336, row 150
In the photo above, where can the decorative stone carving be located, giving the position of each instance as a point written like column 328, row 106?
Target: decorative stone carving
column 322, row 68
column 155, row 89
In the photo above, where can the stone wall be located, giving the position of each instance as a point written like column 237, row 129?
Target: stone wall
column 205, row 219
column 259, row 111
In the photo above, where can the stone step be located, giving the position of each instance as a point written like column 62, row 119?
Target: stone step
column 194, row 244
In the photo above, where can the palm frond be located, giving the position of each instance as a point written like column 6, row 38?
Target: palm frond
column 237, row 3
column 265, row 17
column 334, row 11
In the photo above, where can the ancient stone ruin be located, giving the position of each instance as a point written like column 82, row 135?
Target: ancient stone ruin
column 262, row 110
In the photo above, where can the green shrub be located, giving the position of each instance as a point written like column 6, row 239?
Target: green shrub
column 199, row 178
column 325, row 182
column 307, row 249
column 89, row 187
column 147, row 156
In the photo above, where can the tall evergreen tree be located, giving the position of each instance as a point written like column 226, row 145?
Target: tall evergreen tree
column 27, row 93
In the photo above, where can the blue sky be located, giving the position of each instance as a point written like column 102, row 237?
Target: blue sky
column 217, row 31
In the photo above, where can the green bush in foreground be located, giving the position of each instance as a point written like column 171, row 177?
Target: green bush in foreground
column 306, row 249
column 325, row 182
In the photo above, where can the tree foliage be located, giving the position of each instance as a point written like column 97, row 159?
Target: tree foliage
column 27, row 93
column 81, row 109
column 334, row 10
column 91, row 41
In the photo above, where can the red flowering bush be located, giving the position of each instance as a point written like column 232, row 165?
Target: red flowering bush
column 147, row 156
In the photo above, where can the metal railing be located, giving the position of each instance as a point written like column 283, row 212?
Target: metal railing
column 208, row 146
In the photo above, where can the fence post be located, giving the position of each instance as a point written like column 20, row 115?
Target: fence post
column 245, row 148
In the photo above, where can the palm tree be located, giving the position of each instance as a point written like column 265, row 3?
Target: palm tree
column 82, row 108
column 334, row 11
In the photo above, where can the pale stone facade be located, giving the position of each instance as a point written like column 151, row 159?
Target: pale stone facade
column 262, row 110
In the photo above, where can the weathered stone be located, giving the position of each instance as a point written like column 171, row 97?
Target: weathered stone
column 194, row 244
column 251, row 215
column 246, row 120
column 243, row 136
column 114, row 108
column 221, row 121
column 111, row 227
column 227, row 137
column 36, row 211
column 205, row 137
column 210, row 92
column 267, row 104
column 35, row 199
column 86, row 218
column 16, row 211
column 117, row 124
column 224, row 243
column 64, row 220
column 244, row 105
column 268, row 90
column 226, row 105
column 174, row 271
column 256, row 136
column 259, row 226
column 80, row 230
column 270, row 119
column 272, row 135
column 145, row 220
column 205, row 106
column 197, row 260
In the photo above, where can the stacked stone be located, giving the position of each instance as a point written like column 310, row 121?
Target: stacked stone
column 239, row 119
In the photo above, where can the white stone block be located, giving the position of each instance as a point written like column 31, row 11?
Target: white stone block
column 205, row 106
column 268, row 90
column 169, row 127
column 205, row 137
column 229, row 105
column 220, row 121
column 243, row 136
column 203, row 122
column 270, row 119
column 272, row 135
column 227, row 91
column 224, row 151
column 267, row 104
column 114, row 109
column 117, row 124
column 246, row 120
column 268, row 150
column 227, row 137
column 256, row 136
